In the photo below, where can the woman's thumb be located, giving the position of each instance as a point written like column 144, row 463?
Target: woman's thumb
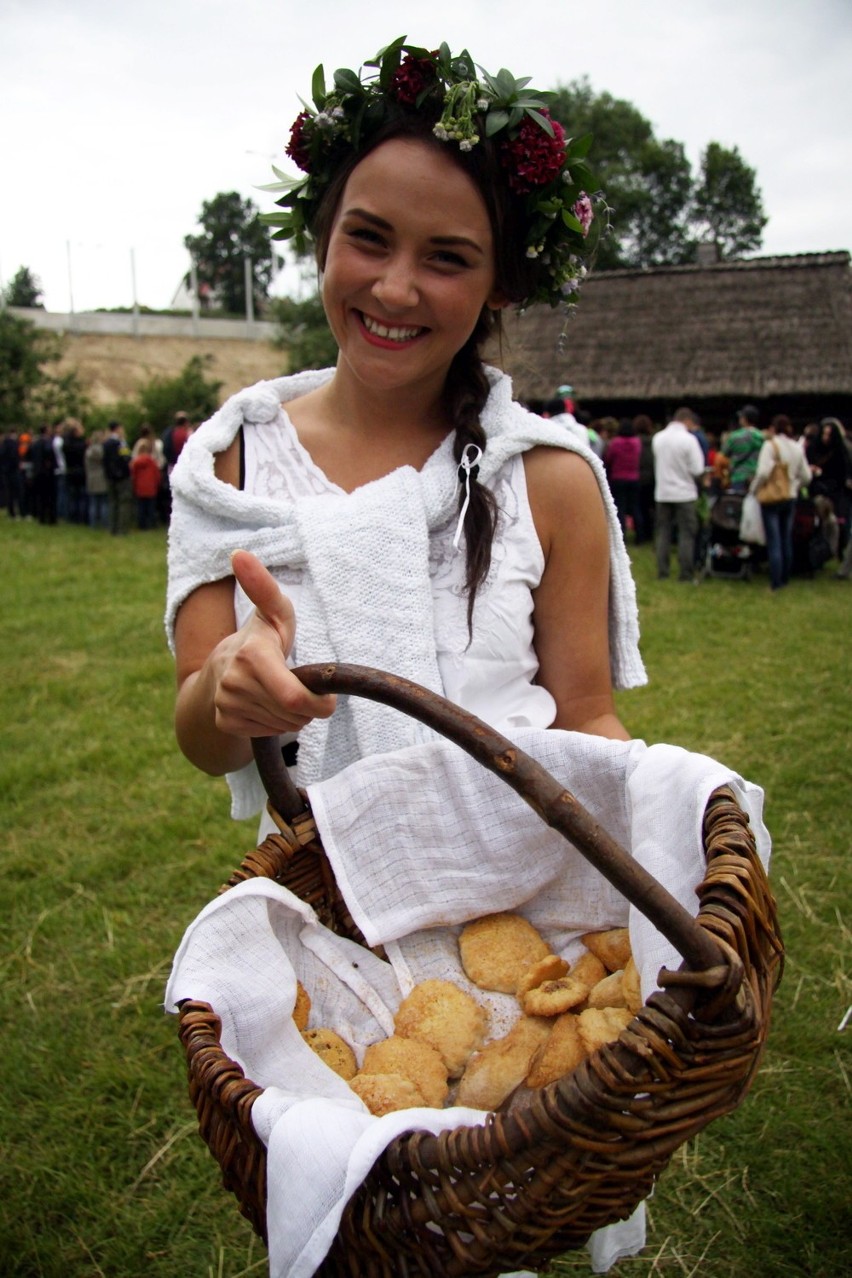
column 264, row 592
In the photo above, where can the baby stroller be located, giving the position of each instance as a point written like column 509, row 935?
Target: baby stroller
column 725, row 554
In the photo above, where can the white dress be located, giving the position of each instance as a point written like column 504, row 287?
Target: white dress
column 491, row 675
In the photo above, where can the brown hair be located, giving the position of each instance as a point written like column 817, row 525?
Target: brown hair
column 466, row 388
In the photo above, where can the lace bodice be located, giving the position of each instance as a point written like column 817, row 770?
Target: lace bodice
column 492, row 675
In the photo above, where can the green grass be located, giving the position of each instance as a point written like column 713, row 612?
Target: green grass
column 112, row 843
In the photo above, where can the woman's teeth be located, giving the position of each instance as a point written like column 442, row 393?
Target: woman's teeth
column 395, row 334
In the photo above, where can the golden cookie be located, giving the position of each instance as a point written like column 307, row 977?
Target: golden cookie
column 609, row 992
column 332, row 1049
column 502, row 1065
column 386, row 1093
column 498, row 949
column 559, row 1054
column 302, row 1010
column 445, row 1017
column 602, row 1025
column 414, row 1060
column 549, row 968
column 611, row 947
column 632, row 988
column 553, row 998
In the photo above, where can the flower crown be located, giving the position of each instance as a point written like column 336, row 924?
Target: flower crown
column 544, row 170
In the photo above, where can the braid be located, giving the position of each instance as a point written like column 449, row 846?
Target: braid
column 465, row 392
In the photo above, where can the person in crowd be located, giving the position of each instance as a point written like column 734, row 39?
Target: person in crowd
column 60, row 471
column 74, row 450
column 42, row 459
column 157, row 449
column 145, row 477
column 742, row 448
column 116, row 459
column 621, row 459
column 96, row 481
column 678, row 467
column 174, row 440
column 10, row 467
column 555, row 410
column 459, row 513
column 779, row 447
column 831, row 467
column 645, row 430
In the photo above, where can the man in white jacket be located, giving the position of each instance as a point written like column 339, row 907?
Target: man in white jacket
column 678, row 466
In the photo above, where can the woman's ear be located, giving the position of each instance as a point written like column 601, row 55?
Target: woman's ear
column 497, row 302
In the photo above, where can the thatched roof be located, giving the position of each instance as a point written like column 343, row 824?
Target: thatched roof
column 750, row 330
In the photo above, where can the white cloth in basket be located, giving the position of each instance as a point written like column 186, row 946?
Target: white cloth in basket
column 457, row 844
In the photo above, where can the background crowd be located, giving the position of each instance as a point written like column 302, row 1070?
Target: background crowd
column 667, row 479
column 108, row 482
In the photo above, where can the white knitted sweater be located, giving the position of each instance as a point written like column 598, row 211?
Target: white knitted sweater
column 365, row 557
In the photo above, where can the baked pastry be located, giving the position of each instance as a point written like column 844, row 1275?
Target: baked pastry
column 561, row 1052
column 502, row 1065
column 447, row 1018
column 332, row 1049
column 415, row 1060
column 612, row 947
column 498, row 949
column 302, row 1009
column 386, row 1093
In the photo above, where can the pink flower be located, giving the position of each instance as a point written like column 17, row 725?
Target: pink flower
column 533, row 158
column 583, row 212
column 298, row 147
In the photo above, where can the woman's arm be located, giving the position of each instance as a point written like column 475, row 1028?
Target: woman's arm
column 235, row 684
column 571, row 604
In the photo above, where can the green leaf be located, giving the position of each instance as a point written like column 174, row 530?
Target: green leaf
column 571, row 221
column 391, row 59
column 495, row 121
column 546, row 124
column 579, row 147
column 507, row 86
column 318, row 87
column 347, row 81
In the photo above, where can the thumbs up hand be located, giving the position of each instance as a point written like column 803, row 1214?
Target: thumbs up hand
column 257, row 695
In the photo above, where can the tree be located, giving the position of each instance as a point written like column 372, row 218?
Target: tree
column 30, row 394
column 232, row 231
column 727, row 207
column 659, row 210
column 24, row 289
column 304, row 333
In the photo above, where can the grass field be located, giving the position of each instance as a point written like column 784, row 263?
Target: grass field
column 112, row 843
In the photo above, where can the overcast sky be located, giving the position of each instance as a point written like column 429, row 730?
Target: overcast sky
column 120, row 118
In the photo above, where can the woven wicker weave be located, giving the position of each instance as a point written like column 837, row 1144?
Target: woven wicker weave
column 535, row 1181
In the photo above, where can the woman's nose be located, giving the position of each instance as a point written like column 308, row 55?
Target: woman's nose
column 396, row 286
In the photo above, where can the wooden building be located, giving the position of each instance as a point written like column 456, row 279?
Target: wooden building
column 774, row 331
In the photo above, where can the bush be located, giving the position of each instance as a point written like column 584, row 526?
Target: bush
column 304, row 333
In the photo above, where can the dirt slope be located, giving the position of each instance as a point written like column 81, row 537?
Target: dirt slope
column 113, row 367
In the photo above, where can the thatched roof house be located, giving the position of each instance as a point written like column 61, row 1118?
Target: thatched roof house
column 773, row 331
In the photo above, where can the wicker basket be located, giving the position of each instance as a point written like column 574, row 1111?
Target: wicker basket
column 537, row 1180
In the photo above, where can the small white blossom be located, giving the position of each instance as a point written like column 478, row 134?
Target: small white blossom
column 441, row 133
column 532, row 251
column 482, row 104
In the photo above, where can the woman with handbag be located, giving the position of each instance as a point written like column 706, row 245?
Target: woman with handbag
column 781, row 472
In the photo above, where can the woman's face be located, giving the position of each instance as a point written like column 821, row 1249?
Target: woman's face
column 409, row 267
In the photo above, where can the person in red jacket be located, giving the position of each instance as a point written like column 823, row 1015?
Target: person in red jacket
column 145, row 476
column 621, row 459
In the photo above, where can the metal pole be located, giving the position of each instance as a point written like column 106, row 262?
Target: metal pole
column 249, row 297
column 133, row 285
column 193, row 285
column 70, row 283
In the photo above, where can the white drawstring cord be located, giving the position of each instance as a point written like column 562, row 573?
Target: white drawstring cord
column 468, row 470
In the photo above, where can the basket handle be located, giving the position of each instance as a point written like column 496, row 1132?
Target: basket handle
column 556, row 806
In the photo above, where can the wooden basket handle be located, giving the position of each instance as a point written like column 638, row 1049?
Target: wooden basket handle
column 556, row 806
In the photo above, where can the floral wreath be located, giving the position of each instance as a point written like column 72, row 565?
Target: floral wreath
column 543, row 168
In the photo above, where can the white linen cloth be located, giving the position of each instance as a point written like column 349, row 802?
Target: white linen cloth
column 366, row 553
column 460, row 845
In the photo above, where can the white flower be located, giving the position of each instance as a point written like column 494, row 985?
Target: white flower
column 532, row 251
column 441, row 133
column 482, row 104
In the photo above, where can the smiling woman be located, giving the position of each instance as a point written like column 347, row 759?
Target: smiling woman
column 401, row 510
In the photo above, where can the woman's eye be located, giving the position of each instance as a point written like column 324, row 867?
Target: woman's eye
column 447, row 258
column 365, row 235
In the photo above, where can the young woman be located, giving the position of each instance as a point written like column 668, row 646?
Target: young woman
column 400, row 510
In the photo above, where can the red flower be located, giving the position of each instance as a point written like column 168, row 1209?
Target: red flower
column 298, row 147
column 533, row 158
column 411, row 77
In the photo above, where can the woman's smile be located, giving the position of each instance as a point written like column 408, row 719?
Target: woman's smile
column 387, row 335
